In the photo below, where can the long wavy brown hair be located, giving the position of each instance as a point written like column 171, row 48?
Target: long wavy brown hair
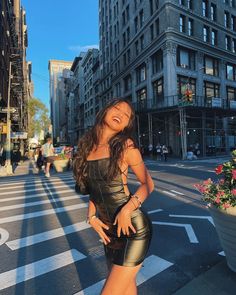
column 116, row 143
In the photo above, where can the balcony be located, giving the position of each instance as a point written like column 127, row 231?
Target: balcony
column 176, row 101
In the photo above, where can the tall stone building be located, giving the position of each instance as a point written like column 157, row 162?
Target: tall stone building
column 176, row 61
column 56, row 68
column 13, row 45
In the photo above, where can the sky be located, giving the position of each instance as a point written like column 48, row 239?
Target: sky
column 58, row 29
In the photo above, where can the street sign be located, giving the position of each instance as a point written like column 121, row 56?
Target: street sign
column 19, row 135
column 4, row 110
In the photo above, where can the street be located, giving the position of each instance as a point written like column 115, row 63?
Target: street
column 47, row 248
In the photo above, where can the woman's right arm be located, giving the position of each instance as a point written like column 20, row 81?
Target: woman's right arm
column 96, row 223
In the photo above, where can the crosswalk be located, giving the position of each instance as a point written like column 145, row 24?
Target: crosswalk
column 44, row 238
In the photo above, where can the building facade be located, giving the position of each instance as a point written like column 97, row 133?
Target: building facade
column 57, row 93
column 14, row 71
column 175, row 59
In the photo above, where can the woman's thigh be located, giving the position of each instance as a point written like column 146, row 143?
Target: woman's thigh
column 119, row 279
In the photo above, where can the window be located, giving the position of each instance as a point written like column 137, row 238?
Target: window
column 152, row 32
column 190, row 27
column 141, row 18
column 157, row 62
column 141, row 73
column 213, row 12
column 231, row 93
column 142, row 97
column 136, row 47
column 182, row 23
column 136, row 24
column 124, row 59
column 127, row 83
column 190, row 4
column 232, row 3
column 157, row 27
column 230, row 72
column 226, row 19
column 124, row 39
column 227, row 43
column 127, row 13
column 214, row 37
column 151, row 7
column 142, row 42
column 205, row 8
column 184, row 83
column 128, row 34
column 234, row 45
column 158, row 89
column 181, row 2
column 185, row 58
column 233, row 23
column 211, row 66
column 211, row 89
column 206, row 34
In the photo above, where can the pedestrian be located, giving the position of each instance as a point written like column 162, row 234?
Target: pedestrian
column 105, row 153
column 159, row 151
column 1, row 155
column 165, row 152
column 150, row 150
column 48, row 154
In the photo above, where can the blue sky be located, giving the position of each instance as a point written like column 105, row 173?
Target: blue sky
column 58, row 29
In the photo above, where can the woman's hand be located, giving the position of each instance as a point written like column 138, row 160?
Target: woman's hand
column 123, row 221
column 98, row 226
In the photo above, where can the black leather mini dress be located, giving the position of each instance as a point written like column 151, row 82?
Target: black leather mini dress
column 109, row 197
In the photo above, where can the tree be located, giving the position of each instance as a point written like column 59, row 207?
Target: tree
column 38, row 117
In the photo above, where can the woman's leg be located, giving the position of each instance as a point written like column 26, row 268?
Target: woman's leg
column 121, row 280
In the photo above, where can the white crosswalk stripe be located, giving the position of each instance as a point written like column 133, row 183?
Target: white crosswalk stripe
column 54, row 196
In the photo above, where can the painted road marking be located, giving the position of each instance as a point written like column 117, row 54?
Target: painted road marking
column 47, row 235
column 31, row 204
column 4, row 235
column 179, row 193
column 209, row 218
column 189, row 230
column 38, row 268
column 222, row 253
column 36, row 183
column 169, row 193
column 152, row 266
column 44, row 194
column 154, row 211
column 32, row 190
column 42, row 213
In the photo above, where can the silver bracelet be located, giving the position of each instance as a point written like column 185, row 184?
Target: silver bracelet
column 137, row 197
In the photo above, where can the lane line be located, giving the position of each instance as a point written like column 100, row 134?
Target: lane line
column 154, row 211
column 209, row 218
column 38, row 268
column 41, row 182
column 44, row 194
column 47, row 235
column 152, row 266
column 189, row 230
column 179, row 193
column 31, row 190
column 31, row 204
column 169, row 193
column 42, row 213
column 4, row 235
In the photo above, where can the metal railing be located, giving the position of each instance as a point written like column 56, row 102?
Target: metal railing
column 178, row 101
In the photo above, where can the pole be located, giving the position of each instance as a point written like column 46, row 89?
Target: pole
column 8, row 143
column 138, row 127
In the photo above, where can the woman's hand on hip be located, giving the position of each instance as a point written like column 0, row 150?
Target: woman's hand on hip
column 123, row 222
column 99, row 227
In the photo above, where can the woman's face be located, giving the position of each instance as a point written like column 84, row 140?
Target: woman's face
column 118, row 116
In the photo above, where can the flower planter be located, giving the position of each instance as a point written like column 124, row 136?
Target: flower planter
column 61, row 165
column 225, row 223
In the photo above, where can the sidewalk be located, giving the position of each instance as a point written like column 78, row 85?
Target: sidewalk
column 219, row 280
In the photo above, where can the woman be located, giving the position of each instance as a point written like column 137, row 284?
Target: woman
column 101, row 167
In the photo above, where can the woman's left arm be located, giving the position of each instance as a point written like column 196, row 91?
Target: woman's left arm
column 133, row 159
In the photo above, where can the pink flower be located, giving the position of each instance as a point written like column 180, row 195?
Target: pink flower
column 207, row 182
column 234, row 173
column 226, row 205
column 221, row 181
column 219, row 169
column 220, row 194
column 233, row 192
column 217, row 200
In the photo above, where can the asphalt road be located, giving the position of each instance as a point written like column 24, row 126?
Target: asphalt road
column 46, row 248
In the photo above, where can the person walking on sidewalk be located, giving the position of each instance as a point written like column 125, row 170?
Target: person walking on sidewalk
column 101, row 169
column 48, row 153
column 165, row 152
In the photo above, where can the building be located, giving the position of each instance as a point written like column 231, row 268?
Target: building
column 175, row 59
column 56, row 68
column 13, row 42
